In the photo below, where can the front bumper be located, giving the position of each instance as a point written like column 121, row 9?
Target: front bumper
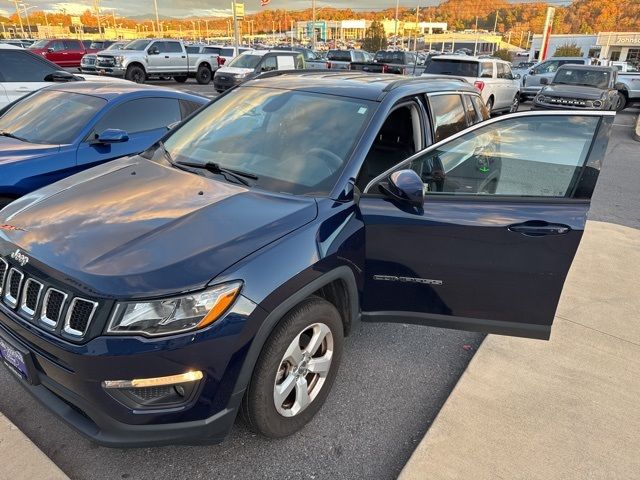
column 225, row 82
column 67, row 378
column 530, row 91
column 110, row 71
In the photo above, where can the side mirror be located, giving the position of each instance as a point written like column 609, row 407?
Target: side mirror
column 50, row 50
column 154, row 51
column 406, row 186
column 620, row 86
column 60, row 76
column 112, row 135
column 544, row 81
column 533, row 71
column 517, row 76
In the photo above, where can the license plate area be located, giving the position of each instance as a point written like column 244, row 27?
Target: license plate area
column 17, row 360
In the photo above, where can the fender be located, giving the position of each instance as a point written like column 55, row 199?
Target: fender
column 340, row 273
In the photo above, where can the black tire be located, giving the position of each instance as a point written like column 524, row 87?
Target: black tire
column 258, row 406
column 204, row 75
column 136, row 74
column 181, row 79
column 622, row 102
column 515, row 104
column 4, row 201
column 490, row 105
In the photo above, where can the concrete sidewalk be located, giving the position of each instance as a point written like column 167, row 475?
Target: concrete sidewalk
column 564, row 409
column 20, row 459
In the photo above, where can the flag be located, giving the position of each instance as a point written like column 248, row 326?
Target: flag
column 264, row 3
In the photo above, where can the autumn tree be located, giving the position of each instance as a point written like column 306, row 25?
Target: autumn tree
column 568, row 50
column 374, row 38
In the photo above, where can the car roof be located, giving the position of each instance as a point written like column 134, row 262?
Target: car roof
column 111, row 91
column 8, row 46
column 365, row 86
column 466, row 58
column 575, row 66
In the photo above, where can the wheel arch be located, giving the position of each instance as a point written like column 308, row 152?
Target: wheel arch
column 328, row 287
column 136, row 63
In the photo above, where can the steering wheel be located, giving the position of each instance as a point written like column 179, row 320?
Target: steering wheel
column 331, row 160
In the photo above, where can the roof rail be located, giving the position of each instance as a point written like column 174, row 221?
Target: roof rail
column 405, row 81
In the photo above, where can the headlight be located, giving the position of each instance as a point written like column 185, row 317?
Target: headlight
column 118, row 60
column 241, row 75
column 173, row 315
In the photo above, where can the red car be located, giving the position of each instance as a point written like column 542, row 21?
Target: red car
column 63, row 52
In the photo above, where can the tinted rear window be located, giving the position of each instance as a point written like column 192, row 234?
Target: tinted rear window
column 452, row 67
column 390, row 57
column 339, row 55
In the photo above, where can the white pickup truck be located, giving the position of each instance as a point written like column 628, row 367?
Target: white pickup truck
column 163, row 57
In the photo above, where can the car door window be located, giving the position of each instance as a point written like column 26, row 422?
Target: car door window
column 473, row 115
column 187, row 108
column 486, row 69
column 494, row 160
column 285, row 62
column 56, row 46
column 71, row 45
column 548, row 67
column 502, row 73
column 17, row 66
column 480, row 107
column 399, row 138
column 268, row 64
column 448, row 115
column 133, row 116
column 173, row 47
column 160, row 46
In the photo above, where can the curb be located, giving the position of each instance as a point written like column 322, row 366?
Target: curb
column 636, row 131
column 21, row 459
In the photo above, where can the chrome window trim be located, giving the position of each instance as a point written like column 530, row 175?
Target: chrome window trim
column 8, row 298
column 23, row 302
column 47, row 321
column 67, row 327
column 4, row 275
column 477, row 126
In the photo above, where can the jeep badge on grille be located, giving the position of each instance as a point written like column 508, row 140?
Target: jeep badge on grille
column 19, row 257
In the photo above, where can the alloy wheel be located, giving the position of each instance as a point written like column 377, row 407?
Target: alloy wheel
column 303, row 370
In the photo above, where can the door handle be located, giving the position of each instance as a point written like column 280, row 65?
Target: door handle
column 166, row 56
column 538, row 228
column 183, row 56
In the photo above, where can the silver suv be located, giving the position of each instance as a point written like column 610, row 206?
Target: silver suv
column 546, row 69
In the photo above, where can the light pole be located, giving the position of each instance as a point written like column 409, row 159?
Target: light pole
column 15, row 2
column 313, row 25
column 155, row 5
column 26, row 7
column 395, row 38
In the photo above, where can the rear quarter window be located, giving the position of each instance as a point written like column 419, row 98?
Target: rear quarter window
column 339, row 55
column 462, row 68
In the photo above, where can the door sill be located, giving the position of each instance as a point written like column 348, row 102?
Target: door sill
column 497, row 327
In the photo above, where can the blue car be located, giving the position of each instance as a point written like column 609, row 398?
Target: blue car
column 149, row 300
column 64, row 129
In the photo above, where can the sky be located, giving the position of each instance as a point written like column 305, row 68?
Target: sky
column 186, row 8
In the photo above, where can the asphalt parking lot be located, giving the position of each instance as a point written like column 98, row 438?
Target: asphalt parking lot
column 392, row 383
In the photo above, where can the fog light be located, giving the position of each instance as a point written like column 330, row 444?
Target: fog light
column 597, row 104
column 154, row 382
column 157, row 392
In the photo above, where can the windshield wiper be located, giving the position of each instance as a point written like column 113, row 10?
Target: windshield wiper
column 4, row 133
column 212, row 167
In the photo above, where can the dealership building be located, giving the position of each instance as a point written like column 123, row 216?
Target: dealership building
column 616, row 46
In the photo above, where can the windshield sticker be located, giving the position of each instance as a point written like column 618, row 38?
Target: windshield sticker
column 362, row 110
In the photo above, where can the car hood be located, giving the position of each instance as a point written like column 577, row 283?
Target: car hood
column 12, row 150
column 101, row 78
column 136, row 228
column 573, row 91
column 233, row 70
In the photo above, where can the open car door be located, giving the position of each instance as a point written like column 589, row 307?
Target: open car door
column 478, row 232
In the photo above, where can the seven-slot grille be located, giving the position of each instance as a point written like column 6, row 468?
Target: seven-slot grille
column 31, row 297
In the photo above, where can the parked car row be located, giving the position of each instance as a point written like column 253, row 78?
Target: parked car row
column 217, row 269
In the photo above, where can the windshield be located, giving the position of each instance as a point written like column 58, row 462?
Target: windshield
column 39, row 44
column 293, row 141
column 36, row 118
column 137, row 45
column 462, row 68
column 591, row 78
column 117, row 46
column 245, row 61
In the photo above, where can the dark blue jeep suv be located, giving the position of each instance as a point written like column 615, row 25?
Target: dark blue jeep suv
column 149, row 299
